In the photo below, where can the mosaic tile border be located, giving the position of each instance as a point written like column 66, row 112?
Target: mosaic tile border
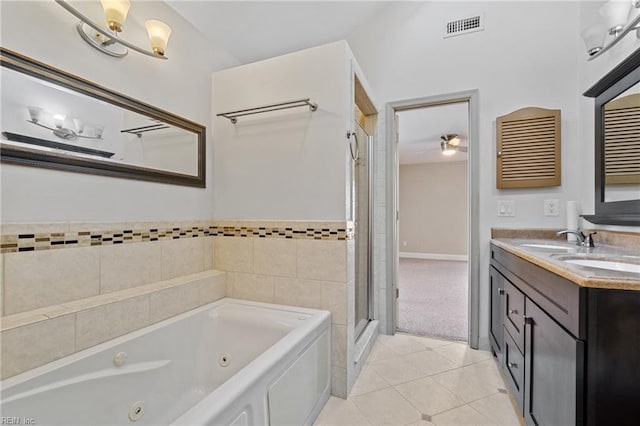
column 25, row 242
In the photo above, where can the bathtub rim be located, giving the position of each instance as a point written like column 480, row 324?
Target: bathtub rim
column 316, row 318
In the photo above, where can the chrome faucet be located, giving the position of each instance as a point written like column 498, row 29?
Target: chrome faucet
column 583, row 240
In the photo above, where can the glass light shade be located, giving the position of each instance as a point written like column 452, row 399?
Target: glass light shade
column 615, row 14
column 79, row 125
column 593, row 37
column 34, row 113
column 58, row 120
column 449, row 151
column 159, row 34
column 97, row 130
column 116, row 13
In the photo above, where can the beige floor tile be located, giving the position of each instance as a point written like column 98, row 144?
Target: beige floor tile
column 498, row 408
column 380, row 352
column 386, row 407
column 428, row 396
column 403, row 344
column 470, row 383
column 429, row 341
column 368, row 381
column 430, row 362
column 339, row 412
column 397, row 370
column 464, row 415
column 461, row 354
column 421, row 423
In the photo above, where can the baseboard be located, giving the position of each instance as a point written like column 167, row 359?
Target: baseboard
column 435, row 256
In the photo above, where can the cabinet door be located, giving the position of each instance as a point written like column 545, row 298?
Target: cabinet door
column 496, row 331
column 551, row 371
column 514, row 313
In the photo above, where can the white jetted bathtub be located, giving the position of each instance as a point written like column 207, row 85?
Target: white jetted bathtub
column 231, row 362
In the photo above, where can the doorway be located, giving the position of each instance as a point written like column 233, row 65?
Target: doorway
column 392, row 242
column 433, row 217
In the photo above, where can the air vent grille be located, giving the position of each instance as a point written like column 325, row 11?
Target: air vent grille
column 528, row 148
column 622, row 140
column 464, row 26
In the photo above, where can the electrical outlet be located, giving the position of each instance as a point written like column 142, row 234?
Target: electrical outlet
column 404, row 243
column 551, row 207
column 506, row 208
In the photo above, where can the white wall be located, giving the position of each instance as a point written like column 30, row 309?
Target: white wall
column 589, row 72
column 286, row 164
column 181, row 84
column 433, row 208
column 516, row 62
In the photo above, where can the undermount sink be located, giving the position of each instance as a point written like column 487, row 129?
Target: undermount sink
column 548, row 246
column 606, row 264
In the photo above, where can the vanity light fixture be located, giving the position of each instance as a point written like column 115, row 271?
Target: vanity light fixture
column 59, row 122
column 616, row 24
column 449, row 144
column 107, row 40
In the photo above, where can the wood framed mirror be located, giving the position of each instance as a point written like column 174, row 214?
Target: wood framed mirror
column 56, row 120
column 617, row 145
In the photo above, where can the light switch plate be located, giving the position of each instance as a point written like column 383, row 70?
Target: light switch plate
column 551, row 207
column 506, row 208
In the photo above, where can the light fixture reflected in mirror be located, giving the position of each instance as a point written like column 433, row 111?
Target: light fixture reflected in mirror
column 59, row 129
column 450, row 144
column 108, row 41
column 616, row 24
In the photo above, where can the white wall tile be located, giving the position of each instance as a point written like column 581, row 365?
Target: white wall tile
column 49, row 277
column 339, row 345
column 173, row 301
column 234, row 254
column 209, row 252
column 322, row 260
column 339, row 382
column 334, row 299
column 297, row 292
column 212, row 288
column 182, row 257
column 253, row 287
column 97, row 325
column 129, row 265
column 274, row 256
column 33, row 345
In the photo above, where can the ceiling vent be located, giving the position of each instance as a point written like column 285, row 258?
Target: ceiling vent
column 464, row 26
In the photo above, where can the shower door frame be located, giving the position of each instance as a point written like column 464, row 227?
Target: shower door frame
column 370, row 301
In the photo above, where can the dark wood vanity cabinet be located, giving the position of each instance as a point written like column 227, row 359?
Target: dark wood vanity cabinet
column 570, row 354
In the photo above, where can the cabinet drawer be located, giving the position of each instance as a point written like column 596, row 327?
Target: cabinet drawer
column 514, row 368
column 514, row 313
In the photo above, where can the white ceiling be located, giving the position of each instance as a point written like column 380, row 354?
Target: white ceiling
column 420, row 131
column 256, row 30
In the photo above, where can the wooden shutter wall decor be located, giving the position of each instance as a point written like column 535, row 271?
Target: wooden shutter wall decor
column 622, row 140
column 528, row 148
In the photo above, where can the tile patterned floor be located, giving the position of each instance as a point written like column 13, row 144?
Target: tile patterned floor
column 412, row 380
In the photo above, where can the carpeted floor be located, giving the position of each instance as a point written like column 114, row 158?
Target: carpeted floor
column 433, row 298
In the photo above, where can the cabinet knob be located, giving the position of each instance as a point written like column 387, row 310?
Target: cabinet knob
column 512, row 365
column 527, row 320
column 501, row 291
column 513, row 311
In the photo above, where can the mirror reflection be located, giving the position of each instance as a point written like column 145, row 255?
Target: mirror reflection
column 43, row 117
column 622, row 146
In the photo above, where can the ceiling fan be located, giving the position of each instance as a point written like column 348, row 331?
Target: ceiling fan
column 450, row 144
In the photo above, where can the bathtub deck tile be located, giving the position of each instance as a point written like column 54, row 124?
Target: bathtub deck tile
column 27, row 347
column 106, row 322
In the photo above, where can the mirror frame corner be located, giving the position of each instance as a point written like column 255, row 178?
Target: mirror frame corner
column 619, row 79
column 34, row 158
